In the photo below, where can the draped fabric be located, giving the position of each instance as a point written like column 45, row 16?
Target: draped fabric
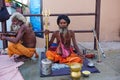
column 9, row 69
column 19, row 49
column 52, row 55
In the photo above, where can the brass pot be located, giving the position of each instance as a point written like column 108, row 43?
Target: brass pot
column 75, row 67
column 75, row 75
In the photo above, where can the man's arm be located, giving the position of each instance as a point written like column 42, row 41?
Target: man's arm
column 14, row 39
column 52, row 38
column 75, row 43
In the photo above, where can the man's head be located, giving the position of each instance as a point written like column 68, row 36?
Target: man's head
column 17, row 20
column 63, row 21
column 66, row 18
column 18, row 17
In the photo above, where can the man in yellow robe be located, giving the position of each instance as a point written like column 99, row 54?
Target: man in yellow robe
column 63, row 36
column 24, row 43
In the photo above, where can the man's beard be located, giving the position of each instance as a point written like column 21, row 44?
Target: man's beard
column 15, row 27
column 63, row 30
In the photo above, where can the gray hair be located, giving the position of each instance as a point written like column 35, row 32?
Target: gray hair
column 19, row 16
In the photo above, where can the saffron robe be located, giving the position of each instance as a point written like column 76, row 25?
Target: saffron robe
column 55, row 57
column 19, row 49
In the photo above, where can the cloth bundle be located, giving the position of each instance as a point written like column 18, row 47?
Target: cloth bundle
column 4, row 14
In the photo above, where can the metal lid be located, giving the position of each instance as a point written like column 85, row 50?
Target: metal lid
column 46, row 61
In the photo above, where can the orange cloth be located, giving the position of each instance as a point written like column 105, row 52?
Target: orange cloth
column 19, row 49
column 52, row 55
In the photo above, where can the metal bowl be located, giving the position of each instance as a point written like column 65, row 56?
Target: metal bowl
column 90, row 64
column 86, row 73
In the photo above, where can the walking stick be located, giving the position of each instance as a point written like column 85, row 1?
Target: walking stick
column 46, row 15
column 98, row 47
column 99, row 44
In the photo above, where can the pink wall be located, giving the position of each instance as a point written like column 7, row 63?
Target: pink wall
column 109, row 19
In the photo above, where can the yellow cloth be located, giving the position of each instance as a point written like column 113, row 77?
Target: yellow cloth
column 19, row 49
column 52, row 55
column 7, row 1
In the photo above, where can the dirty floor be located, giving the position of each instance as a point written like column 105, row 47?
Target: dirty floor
column 109, row 68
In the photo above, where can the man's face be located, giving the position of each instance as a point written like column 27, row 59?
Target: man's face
column 63, row 24
column 14, row 21
column 15, row 26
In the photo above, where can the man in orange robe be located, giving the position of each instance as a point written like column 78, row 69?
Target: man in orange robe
column 24, row 43
column 63, row 36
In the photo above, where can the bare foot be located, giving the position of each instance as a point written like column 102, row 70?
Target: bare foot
column 36, row 55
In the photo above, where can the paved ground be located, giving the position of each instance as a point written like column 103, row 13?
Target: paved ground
column 106, row 46
column 109, row 67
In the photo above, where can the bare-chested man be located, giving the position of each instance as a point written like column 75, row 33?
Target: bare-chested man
column 24, row 43
column 65, row 36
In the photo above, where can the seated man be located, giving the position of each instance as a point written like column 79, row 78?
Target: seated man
column 24, row 43
column 63, row 36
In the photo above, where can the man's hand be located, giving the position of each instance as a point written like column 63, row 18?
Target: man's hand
column 2, row 37
column 46, row 32
column 81, row 55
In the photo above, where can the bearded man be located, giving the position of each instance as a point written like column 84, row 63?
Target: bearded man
column 63, row 36
column 24, row 43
